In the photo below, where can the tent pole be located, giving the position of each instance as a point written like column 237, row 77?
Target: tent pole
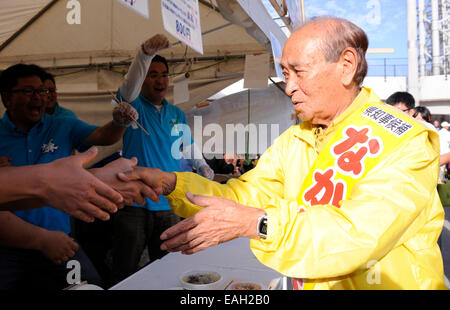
column 247, row 157
column 303, row 12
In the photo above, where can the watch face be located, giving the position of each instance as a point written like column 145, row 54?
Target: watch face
column 263, row 227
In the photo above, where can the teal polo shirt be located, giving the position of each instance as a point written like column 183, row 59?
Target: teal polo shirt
column 168, row 130
column 63, row 112
column 50, row 139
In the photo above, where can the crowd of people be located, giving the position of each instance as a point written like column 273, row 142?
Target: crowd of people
column 231, row 165
column 407, row 104
column 37, row 240
column 349, row 191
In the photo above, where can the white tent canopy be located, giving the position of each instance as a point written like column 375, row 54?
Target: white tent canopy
column 15, row 14
column 90, row 59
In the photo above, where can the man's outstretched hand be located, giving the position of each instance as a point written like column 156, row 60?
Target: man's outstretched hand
column 161, row 182
column 219, row 221
column 74, row 190
column 132, row 190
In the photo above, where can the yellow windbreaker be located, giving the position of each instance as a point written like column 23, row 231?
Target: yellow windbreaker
column 383, row 237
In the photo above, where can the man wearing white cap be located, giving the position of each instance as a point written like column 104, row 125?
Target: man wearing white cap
column 444, row 142
column 444, row 137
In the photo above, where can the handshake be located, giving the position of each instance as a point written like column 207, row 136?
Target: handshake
column 135, row 183
column 91, row 193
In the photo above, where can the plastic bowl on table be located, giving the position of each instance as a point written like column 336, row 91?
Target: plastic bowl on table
column 201, row 280
column 247, row 286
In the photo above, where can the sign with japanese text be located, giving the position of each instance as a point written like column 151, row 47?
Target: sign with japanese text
column 354, row 151
column 350, row 155
column 361, row 141
column 181, row 19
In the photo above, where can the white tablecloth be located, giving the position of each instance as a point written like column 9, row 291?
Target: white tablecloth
column 233, row 260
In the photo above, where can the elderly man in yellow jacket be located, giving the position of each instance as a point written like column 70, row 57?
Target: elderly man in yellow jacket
column 345, row 200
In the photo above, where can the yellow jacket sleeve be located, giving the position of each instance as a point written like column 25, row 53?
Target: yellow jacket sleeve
column 255, row 188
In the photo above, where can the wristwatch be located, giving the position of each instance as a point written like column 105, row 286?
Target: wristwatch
column 262, row 226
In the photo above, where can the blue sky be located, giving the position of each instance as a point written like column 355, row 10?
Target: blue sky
column 384, row 21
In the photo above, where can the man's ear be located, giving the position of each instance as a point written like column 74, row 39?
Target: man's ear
column 5, row 99
column 349, row 65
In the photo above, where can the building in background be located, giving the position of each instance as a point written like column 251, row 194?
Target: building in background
column 429, row 55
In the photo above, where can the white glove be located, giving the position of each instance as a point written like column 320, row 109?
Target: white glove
column 124, row 114
column 206, row 171
column 155, row 44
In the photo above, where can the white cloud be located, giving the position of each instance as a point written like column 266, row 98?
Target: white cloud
column 363, row 13
column 384, row 21
column 335, row 8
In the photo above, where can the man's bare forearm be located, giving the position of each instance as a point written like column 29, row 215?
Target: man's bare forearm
column 14, row 232
column 21, row 183
column 108, row 134
column 63, row 184
column 23, row 204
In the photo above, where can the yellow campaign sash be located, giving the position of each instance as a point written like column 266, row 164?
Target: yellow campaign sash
column 363, row 139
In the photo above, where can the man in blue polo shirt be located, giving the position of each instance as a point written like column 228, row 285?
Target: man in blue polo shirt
column 145, row 87
column 36, row 242
column 52, row 106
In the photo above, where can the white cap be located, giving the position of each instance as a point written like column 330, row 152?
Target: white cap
column 445, row 124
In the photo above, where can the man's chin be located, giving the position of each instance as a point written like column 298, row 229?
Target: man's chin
column 160, row 94
column 301, row 116
column 157, row 95
column 35, row 117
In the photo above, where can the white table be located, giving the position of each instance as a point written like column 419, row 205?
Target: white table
column 233, row 260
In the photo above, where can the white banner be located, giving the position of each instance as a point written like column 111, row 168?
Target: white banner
column 180, row 90
column 182, row 20
column 139, row 6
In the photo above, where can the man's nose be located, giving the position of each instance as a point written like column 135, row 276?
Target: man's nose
column 35, row 97
column 161, row 78
column 291, row 86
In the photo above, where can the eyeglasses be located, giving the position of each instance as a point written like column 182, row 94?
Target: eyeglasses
column 154, row 75
column 31, row 91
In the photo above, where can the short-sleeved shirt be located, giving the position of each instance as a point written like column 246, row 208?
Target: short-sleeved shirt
column 63, row 112
column 168, row 129
column 50, row 139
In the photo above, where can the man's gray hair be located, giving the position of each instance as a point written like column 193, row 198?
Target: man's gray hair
column 341, row 34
